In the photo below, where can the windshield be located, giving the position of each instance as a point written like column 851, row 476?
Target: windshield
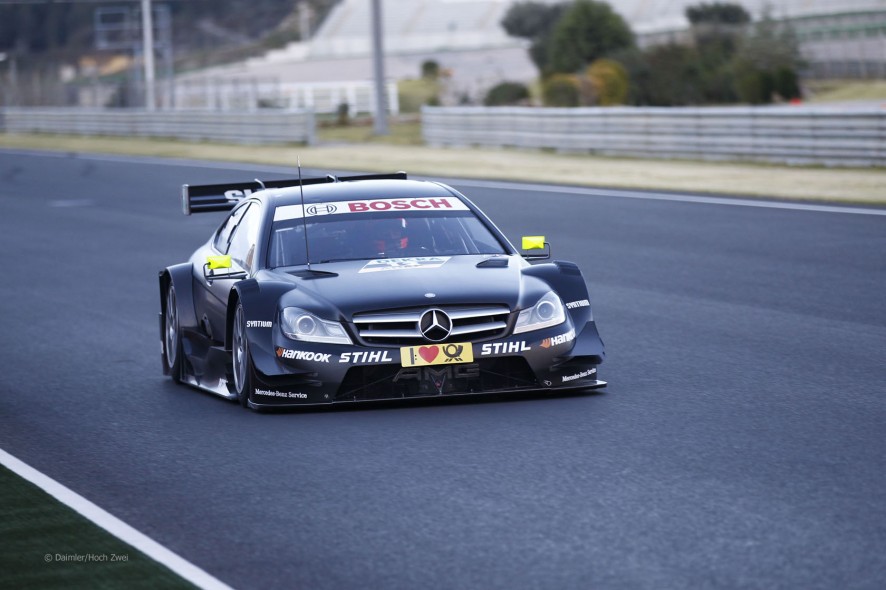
column 377, row 235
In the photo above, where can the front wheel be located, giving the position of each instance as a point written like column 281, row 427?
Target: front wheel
column 172, row 339
column 244, row 373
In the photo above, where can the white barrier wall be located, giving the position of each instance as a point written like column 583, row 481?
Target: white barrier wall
column 793, row 135
column 260, row 127
column 248, row 94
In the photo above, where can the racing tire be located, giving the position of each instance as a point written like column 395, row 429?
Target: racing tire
column 244, row 372
column 172, row 338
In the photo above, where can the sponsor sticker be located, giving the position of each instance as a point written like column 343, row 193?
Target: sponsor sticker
column 321, row 209
column 235, row 196
column 303, row 355
column 491, row 348
column 367, row 206
column 579, row 303
column 561, row 339
column 275, row 393
column 383, row 264
column 258, row 324
column 436, row 354
column 438, row 376
column 368, row 356
column 582, row 375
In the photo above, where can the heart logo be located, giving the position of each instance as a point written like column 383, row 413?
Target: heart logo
column 429, row 353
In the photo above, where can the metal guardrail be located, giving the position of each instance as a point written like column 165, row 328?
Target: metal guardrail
column 260, row 127
column 792, row 135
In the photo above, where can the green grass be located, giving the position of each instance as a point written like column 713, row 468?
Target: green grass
column 401, row 133
column 412, row 94
column 846, row 90
column 849, row 185
column 40, row 538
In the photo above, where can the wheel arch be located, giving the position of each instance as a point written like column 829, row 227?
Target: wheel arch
column 259, row 300
column 181, row 277
column 568, row 281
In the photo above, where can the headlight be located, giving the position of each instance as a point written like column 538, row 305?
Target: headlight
column 299, row 324
column 547, row 312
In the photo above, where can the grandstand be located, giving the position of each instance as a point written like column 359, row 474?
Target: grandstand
column 413, row 25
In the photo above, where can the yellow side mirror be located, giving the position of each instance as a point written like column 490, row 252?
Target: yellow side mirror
column 218, row 262
column 533, row 242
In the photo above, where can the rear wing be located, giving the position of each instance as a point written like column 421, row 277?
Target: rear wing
column 204, row 198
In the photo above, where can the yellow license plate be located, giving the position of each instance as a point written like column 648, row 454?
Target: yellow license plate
column 437, row 354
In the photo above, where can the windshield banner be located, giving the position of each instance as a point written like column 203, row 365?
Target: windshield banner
column 368, row 206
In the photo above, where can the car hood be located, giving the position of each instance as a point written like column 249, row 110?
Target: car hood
column 363, row 286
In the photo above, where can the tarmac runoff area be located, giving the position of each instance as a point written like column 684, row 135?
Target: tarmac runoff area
column 842, row 185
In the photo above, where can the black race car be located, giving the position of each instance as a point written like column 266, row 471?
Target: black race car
column 375, row 287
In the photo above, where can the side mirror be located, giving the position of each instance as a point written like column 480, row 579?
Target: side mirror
column 534, row 244
column 215, row 263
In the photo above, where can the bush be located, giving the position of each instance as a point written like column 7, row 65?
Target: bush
column 787, row 84
column 608, row 83
column 560, row 90
column 415, row 93
column 755, row 86
column 506, row 93
column 764, row 86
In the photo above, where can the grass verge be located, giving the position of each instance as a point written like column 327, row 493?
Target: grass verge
column 850, row 185
column 824, row 91
column 45, row 544
column 408, row 133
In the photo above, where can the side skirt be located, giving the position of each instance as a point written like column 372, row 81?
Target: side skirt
column 219, row 387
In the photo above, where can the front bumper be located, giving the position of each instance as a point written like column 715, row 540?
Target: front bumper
column 300, row 373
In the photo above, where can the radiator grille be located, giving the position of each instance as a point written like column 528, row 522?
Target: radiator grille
column 401, row 327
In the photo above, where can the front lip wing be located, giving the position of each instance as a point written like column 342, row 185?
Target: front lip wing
column 591, row 384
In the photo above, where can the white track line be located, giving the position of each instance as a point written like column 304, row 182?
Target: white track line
column 113, row 525
column 658, row 196
column 513, row 186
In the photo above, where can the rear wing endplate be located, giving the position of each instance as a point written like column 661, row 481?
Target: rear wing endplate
column 204, row 198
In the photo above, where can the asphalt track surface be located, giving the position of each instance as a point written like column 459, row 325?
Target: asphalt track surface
column 741, row 442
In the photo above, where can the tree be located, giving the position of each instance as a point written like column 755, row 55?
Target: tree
column 531, row 20
column 767, row 61
column 727, row 14
column 717, row 30
column 534, row 21
column 665, row 75
column 587, row 31
column 430, row 69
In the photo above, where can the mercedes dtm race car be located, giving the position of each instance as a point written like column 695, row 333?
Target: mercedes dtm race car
column 374, row 287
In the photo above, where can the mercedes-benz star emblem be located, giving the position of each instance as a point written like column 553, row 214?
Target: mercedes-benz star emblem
column 435, row 325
